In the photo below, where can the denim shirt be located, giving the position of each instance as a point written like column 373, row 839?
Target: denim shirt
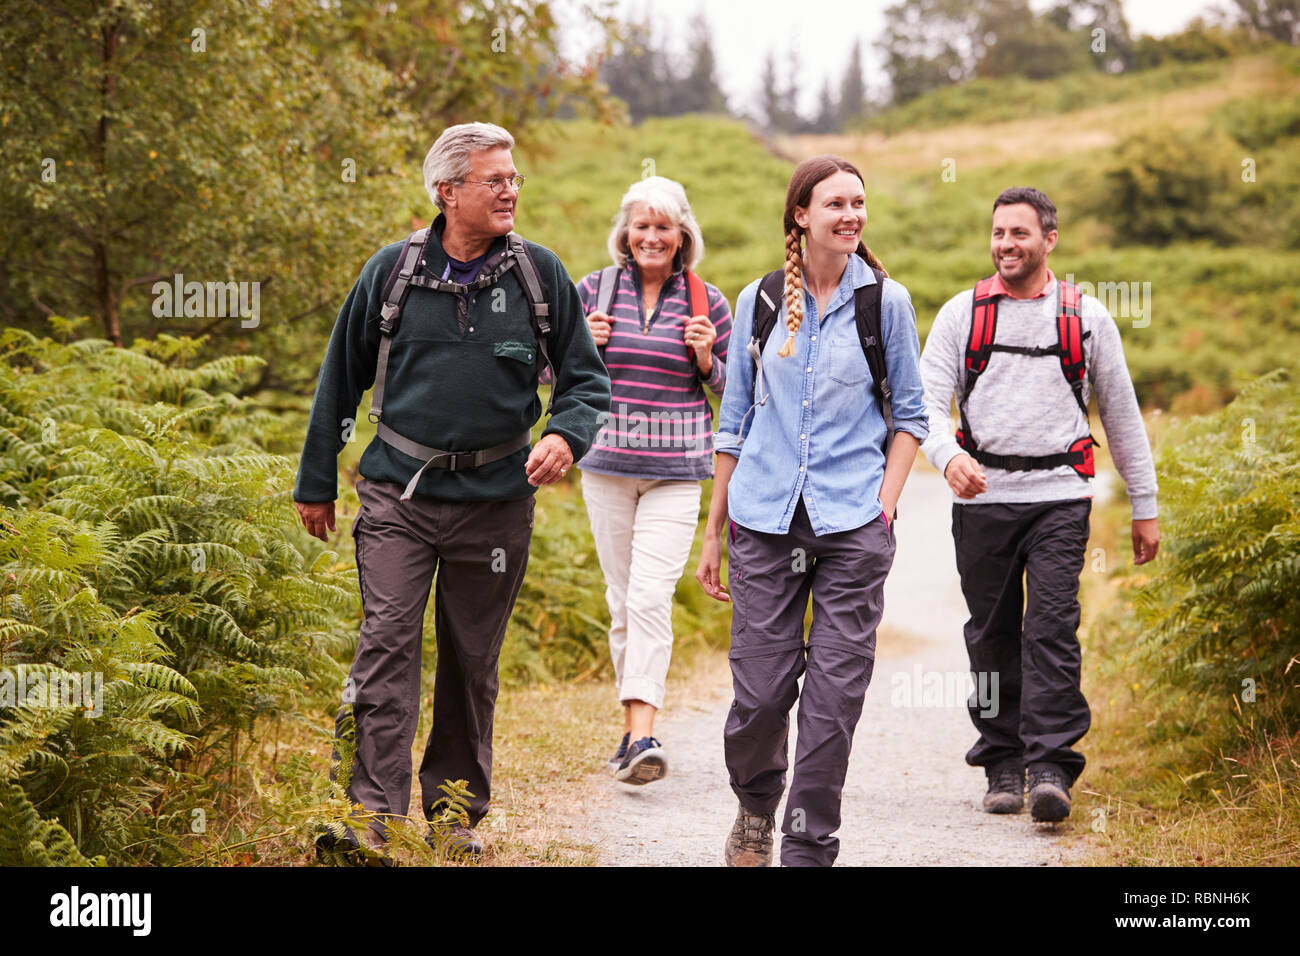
column 821, row 433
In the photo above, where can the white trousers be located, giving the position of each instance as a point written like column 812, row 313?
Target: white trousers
column 643, row 529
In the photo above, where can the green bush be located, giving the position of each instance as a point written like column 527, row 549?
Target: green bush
column 1167, row 185
column 1224, row 604
column 147, row 539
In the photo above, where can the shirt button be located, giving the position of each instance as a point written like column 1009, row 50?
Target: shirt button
column 814, row 338
column 471, row 328
column 805, row 401
column 808, row 369
column 802, row 437
column 801, row 467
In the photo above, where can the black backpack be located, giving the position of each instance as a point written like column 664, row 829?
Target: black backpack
column 406, row 273
column 771, row 290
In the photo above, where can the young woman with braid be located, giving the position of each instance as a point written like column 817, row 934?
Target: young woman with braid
column 804, row 489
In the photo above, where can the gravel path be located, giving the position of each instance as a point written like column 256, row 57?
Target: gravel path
column 909, row 798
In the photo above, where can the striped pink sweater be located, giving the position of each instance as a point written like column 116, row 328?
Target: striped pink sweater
column 660, row 423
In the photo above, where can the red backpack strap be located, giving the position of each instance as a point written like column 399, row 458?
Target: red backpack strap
column 1069, row 335
column 699, row 295
column 983, row 325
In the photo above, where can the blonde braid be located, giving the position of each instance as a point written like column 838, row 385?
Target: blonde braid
column 793, row 290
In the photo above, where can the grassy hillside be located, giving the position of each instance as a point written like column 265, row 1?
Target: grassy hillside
column 1211, row 308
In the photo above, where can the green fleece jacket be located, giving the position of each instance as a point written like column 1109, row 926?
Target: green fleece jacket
column 445, row 389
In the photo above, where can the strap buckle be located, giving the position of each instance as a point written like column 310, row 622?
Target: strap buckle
column 459, row 461
column 388, row 315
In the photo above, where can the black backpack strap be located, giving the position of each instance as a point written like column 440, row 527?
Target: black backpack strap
column 606, row 288
column 390, row 314
column 767, row 304
column 866, row 312
column 522, row 261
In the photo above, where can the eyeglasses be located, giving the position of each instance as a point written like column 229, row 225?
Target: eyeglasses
column 499, row 183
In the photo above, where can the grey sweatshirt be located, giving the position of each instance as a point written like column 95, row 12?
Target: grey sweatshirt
column 1022, row 405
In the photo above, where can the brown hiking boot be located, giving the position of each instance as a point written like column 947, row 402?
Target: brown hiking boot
column 750, row 840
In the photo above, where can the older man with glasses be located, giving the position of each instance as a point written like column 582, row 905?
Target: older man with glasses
column 451, row 328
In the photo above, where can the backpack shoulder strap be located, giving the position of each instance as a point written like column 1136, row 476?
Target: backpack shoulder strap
column 699, row 300
column 979, row 344
column 1069, row 334
column 866, row 306
column 699, row 295
column 983, row 327
column 767, row 304
column 390, row 313
column 522, row 262
column 606, row 288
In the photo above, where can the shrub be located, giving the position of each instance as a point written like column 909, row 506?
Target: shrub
column 1224, row 605
column 147, row 539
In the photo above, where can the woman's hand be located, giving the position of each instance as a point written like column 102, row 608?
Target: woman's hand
column 599, row 323
column 710, row 567
column 699, row 335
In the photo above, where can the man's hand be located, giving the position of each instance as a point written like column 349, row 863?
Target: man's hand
column 598, row 322
column 1146, row 540
column 549, row 461
column 708, row 573
column 316, row 517
column 965, row 477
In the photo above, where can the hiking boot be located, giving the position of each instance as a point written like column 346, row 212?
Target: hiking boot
column 347, row 850
column 458, row 841
column 619, row 754
column 644, row 762
column 1006, row 792
column 1049, row 794
column 750, row 841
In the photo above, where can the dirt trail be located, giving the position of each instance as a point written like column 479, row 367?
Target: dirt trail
column 909, row 798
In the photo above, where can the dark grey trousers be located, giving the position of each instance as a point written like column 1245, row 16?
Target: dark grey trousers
column 771, row 577
column 1019, row 567
column 479, row 552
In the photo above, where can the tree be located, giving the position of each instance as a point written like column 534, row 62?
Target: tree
column 928, row 44
column 1012, row 41
column 638, row 73
column 256, row 144
column 1113, row 49
column 698, row 91
column 458, row 61
column 828, row 112
column 1279, row 19
column 853, row 96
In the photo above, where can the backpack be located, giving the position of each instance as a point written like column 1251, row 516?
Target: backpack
column 1068, row 349
column 406, row 273
column 866, row 313
column 607, row 286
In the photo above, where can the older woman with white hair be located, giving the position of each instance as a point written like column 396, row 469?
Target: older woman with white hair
column 662, row 332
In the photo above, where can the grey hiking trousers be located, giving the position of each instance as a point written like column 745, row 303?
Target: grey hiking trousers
column 479, row 552
column 771, row 577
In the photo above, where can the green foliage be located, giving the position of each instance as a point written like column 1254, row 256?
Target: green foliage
column 494, row 61
column 147, row 539
column 995, row 100
column 1166, row 184
column 1224, row 604
column 267, row 144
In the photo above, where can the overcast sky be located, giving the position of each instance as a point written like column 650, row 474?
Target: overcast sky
column 822, row 31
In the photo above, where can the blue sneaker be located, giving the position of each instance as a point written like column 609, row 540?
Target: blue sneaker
column 619, row 754
column 644, row 762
